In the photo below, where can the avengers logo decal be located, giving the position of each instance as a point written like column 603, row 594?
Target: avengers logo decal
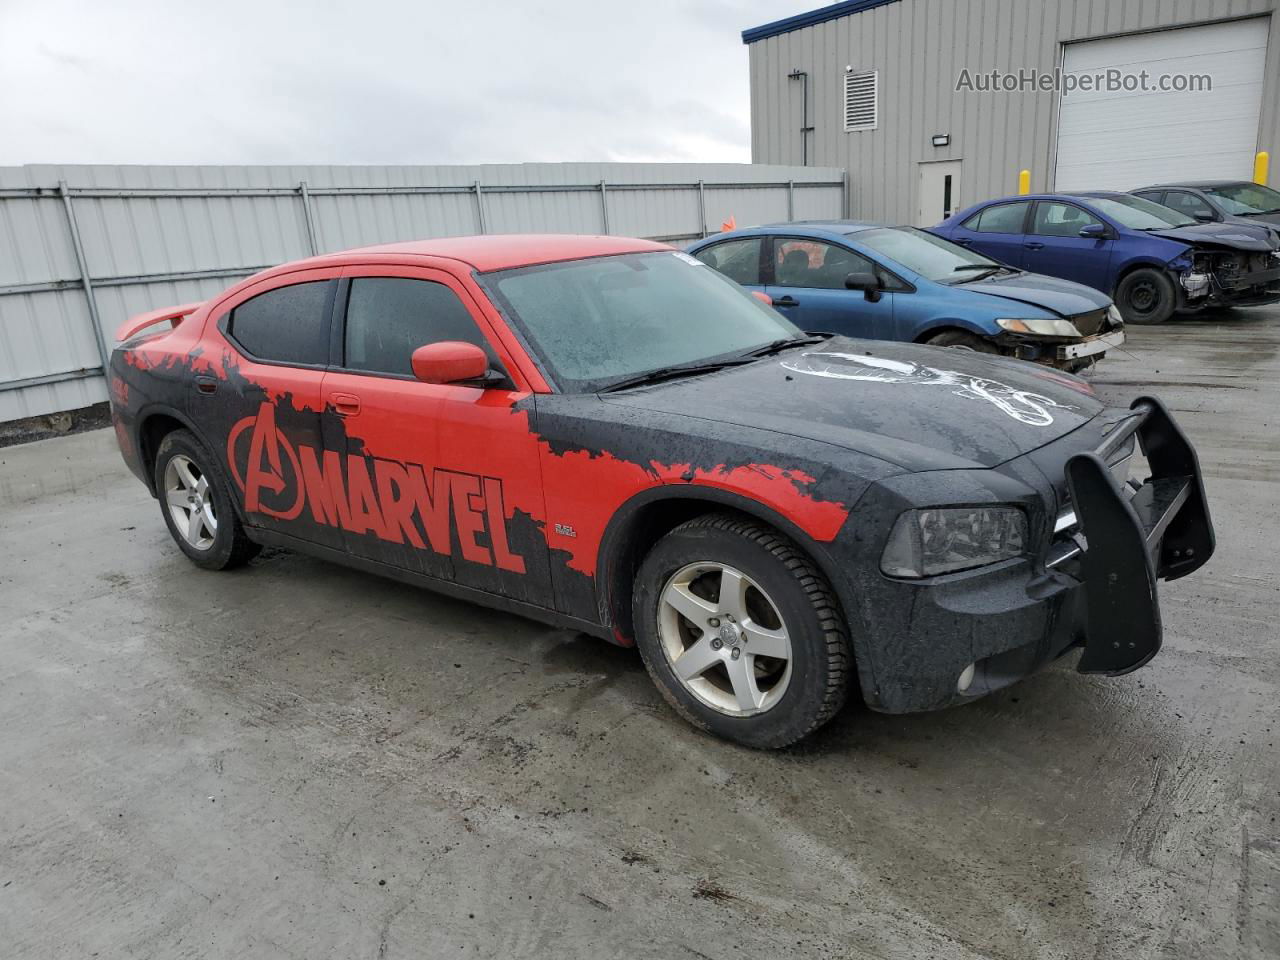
column 396, row 502
column 265, row 464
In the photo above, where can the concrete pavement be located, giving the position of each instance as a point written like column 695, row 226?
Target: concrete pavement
column 297, row 760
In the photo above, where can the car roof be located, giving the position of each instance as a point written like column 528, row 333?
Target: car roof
column 1038, row 196
column 804, row 228
column 844, row 227
column 493, row 251
column 1196, row 184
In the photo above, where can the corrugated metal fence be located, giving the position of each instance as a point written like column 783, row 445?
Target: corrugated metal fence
column 82, row 248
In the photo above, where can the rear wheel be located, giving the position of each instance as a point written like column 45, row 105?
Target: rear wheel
column 740, row 632
column 1146, row 296
column 964, row 340
column 196, row 505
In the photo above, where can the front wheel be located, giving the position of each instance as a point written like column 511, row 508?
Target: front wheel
column 740, row 632
column 962, row 340
column 1146, row 296
column 197, row 506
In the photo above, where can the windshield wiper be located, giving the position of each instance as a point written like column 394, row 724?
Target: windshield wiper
column 672, row 373
column 987, row 270
column 786, row 342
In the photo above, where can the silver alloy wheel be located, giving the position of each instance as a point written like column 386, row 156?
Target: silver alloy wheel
column 190, row 502
column 724, row 638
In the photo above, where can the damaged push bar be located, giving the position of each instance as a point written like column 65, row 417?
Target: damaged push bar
column 1161, row 531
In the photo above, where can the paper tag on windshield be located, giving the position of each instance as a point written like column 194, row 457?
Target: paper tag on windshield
column 692, row 261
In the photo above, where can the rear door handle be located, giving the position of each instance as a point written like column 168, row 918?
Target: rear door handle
column 787, row 301
column 206, row 385
column 344, row 404
column 1034, row 245
column 963, row 241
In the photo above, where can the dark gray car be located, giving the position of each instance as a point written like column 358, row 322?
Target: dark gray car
column 1219, row 201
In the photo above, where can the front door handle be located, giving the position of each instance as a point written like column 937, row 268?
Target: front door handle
column 963, row 241
column 1034, row 245
column 344, row 404
column 786, row 301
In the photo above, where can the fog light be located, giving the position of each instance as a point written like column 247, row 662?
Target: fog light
column 966, row 678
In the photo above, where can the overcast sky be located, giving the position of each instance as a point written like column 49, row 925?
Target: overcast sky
column 376, row 81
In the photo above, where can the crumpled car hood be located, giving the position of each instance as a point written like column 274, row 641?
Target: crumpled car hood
column 919, row 407
column 1235, row 236
column 1062, row 297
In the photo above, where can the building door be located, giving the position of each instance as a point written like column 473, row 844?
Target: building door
column 1116, row 138
column 939, row 191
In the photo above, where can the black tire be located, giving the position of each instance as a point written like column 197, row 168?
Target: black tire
column 964, row 340
column 821, row 659
column 1146, row 296
column 230, row 546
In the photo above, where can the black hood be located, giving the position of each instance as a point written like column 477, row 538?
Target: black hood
column 1234, row 236
column 1259, row 218
column 922, row 408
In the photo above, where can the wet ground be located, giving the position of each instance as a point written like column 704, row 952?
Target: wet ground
column 295, row 760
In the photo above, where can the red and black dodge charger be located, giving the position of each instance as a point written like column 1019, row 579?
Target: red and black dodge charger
column 606, row 434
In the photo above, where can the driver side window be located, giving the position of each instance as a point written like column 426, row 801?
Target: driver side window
column 390, row 317
column 1053, row 219
column 1188, row 203
column 812, row 263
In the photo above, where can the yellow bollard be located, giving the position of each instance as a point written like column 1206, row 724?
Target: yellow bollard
column 1024, row 183
column 1260, row 163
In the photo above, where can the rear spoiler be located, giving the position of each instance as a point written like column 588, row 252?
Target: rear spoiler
column 136, row 324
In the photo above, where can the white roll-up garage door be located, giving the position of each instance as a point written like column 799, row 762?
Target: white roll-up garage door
column 1121, row 139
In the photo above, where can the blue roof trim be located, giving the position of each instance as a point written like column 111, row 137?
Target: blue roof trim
column 832, row 12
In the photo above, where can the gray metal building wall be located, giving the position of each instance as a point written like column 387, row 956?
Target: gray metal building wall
column 155, row 236
column 919, row 47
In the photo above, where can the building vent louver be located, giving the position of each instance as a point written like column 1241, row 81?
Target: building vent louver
column 861, row 106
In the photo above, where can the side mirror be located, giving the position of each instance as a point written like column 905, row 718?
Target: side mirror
column 868, row 283
column 450, row 361
column 1204, row 217
column 1094, row 231
column 763, row 297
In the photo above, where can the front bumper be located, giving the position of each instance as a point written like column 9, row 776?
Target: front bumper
column 1210, row 287
column 1090, row 346
column 1093, row 586
column 1068, row 354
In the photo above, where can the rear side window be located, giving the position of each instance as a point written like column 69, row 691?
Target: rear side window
column 390, row 317
column 739, row 260
column 1002, row 218
column 287, row 324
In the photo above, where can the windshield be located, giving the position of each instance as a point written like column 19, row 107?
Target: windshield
column 1138, row 214
column 1244, row 199
column 598, row 321
column 929, row 256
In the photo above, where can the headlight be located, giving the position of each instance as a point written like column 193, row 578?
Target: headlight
column 925, row 543
column 1194, row 283
column 1043, row 327
column 1113, row 314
